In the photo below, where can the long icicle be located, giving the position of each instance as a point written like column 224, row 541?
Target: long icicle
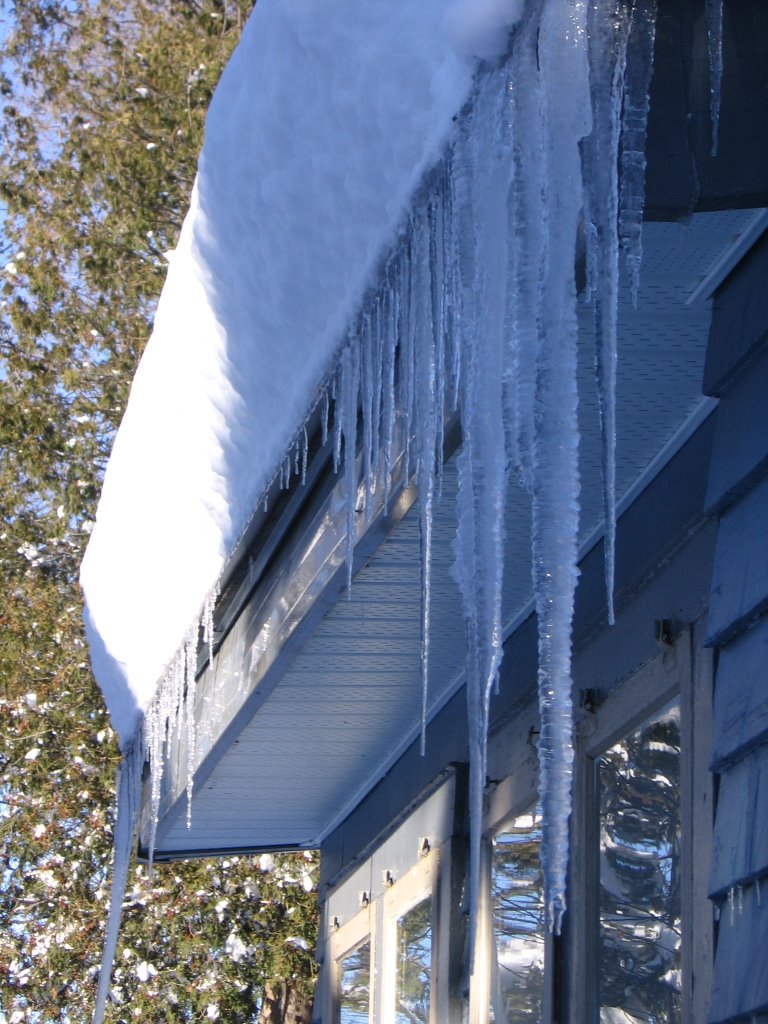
column 634, row 126
column 483, row 167
column 566, row 120
column 128, row 806
column 715, row 47
column 426, row 430
column 608, row 27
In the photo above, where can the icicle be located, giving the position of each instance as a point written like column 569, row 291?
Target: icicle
column 525, row 249
column 437, row 277
column 377, row 356
column 608, row 31
column 731, row 904
column 457, row 200
column 366, row 380
column 740, row 899
column 337, row 418
column 407, row 333
column 391, row 315
column 426, row 429
column 209, row 631
column 482, row 160
column 324, row 419
column 350, row 379
column 304, row 456
column 127, row 816
column 190, row 673
column 637, row 80
column 715, row 46
column 566, row 120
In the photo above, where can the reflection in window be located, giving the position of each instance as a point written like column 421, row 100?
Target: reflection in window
column 355, row 985
column 639, row 779
column 518, row 919
column 414, row 964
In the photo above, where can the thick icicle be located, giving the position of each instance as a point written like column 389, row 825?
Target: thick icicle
column 366, row 380
column 526, row 242
column 337, row 420
column 324, row 418
column 128, row 807
column 715, row 46
column 566, row 120
column 482, row 166
column 637, row 80
column 608, row 28
column 391, row 316
column 190, row 688
column 425, row 373
column 350, row 380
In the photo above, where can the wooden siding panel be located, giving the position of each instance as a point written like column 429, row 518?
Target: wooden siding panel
column 740, row 451
column 740, row 985
column 739, row 320
column 740, row 848
column 740, row 575
column 741, row 696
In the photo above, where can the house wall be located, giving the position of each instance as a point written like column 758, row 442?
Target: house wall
column 737, row 373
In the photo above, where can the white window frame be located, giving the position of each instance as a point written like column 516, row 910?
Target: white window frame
column 681, row 670
column 343, row 941
column 419, row 883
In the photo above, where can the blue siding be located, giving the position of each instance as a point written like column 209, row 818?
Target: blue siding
column 740, row 849
column 740, row 454
column 737, row 371
column 741, row 697
column 740, row 574
column 741, row 963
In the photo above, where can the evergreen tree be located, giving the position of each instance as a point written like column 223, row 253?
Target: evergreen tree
column 103, row 110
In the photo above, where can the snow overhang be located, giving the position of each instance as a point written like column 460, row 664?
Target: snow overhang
column 323, row 125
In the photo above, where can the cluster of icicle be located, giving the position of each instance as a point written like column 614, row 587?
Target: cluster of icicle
column 476, row 312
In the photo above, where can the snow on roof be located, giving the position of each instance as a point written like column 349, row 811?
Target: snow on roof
column 323, row 124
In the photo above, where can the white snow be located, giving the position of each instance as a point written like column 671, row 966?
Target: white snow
column 324, row 122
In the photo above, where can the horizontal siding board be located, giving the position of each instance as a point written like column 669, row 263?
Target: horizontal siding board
column 740, row 846
column 741, row 696
column 740, row 451
column 740, row 574
column 739, row 320
column 740, row 986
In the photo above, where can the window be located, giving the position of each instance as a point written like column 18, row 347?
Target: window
column 517, row 908
column 394, row 922
column 636, row 946
column 409, row 939
column 639, row 926
column 354, row 972
column 639, row 903
column 352, row 954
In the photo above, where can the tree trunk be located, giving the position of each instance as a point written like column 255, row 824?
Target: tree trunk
column 284, row 1004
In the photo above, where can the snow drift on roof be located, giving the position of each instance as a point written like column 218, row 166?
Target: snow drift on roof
column 324, row 122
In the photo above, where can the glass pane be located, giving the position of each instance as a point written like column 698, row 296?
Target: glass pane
column 355, row 985
column 639, row 780
column 414, row 963
column 518, row 920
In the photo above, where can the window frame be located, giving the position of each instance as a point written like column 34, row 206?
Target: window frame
column 343, row 941
column 680, row 670
column 420, row 882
